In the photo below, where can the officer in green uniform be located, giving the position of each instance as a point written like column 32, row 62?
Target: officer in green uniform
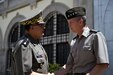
column 30, row 57
column 88, row 54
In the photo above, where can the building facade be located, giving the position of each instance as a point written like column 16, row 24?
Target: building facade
column 103, row 20
column 57, row 35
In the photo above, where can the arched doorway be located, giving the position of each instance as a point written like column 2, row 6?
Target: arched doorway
column 12, row 34
column 56, row 38
column 16, row 33
column 58, row 33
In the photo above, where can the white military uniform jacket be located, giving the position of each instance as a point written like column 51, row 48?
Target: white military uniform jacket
column 33, row 56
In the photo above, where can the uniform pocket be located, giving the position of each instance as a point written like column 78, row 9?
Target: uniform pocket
column 86, row 55
column 87, row 48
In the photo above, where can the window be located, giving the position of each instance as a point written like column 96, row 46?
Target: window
column 49, row 27
column 15, row 34
column 62, row 25
column 49, row 50
column 55, row 39
column 62, row 52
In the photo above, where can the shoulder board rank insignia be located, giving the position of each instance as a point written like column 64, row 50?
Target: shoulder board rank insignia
column 25, row 42
column 93, row 31
column 74, row 37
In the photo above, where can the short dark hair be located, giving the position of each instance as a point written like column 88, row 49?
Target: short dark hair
column 75, row 12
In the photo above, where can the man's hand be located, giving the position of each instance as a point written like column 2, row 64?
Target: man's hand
column 50, row 74
column 35, row 73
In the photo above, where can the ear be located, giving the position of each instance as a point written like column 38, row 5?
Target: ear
column 81, row 21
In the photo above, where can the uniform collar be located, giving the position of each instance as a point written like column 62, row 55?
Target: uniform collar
column 86, row 31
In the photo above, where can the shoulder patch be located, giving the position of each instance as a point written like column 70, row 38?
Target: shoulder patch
column 75, row 37
column 25, row 42
column 93, row 31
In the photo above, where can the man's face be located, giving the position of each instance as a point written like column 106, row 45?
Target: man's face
column 74, row 24
column 37, row 31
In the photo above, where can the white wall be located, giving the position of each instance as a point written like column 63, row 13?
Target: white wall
column 103, row 21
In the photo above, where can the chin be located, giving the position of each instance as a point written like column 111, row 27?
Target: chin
column 39, row 37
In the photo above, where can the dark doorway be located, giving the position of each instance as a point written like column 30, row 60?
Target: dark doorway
column 15, row 33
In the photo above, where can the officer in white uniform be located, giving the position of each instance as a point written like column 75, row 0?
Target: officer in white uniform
column 88, row 54
column 30, row 57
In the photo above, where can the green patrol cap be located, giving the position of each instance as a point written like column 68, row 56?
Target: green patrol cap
column 75, row 12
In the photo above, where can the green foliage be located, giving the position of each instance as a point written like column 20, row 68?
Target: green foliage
column 53, row 67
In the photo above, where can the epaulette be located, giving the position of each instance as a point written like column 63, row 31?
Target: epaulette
column 25, row 42
column 94, row 31
column 75, row 37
